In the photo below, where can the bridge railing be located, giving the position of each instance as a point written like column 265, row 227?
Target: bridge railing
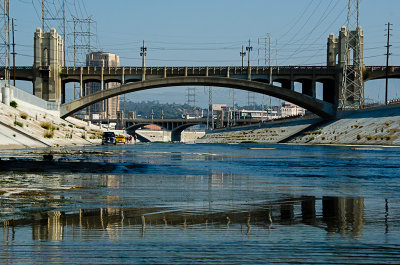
column 382, row 68
column 189, row 70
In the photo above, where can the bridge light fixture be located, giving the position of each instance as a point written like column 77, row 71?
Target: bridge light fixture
column 249, row 49
column 242, row 54
column 143, row 53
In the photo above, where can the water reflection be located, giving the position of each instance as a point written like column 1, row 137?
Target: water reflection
column 339, row 215
column 343, row 215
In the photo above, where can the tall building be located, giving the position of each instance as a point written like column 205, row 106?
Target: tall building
column 107, row 108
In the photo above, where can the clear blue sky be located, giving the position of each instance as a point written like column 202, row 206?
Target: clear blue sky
column 212, row 32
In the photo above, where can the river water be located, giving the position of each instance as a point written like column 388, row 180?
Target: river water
column 206, row 203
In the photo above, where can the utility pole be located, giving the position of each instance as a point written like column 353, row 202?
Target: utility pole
column 64, row 40
column 233, row 107
column 143, row 53
column 249, row 49
column 5, row 49
column 210, row 108
column 242, row 54
column 387, row 60
column 13, row 53
column 270, row 70
column 43, row 15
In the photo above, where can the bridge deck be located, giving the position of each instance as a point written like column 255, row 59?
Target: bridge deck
column 124, row 73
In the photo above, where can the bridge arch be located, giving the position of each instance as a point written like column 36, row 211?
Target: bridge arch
column 176, row 134
column 321, row 108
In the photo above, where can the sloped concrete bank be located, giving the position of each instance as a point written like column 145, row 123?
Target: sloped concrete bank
column 374, row 126
column 29, row 126
column 270, row 132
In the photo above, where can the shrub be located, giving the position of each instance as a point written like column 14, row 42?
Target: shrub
column 14, row 104
column 48, row 134
column 358, row 137
column 47, row 126
column 83, row 136
column 323, row 138
column 20, row 124
column 388, row 137
column 369, row 137
column 23, row 115
column 388, row 123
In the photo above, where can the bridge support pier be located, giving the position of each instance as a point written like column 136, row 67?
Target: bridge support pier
column 288, row 84
column 330, row 90
column 308, row 88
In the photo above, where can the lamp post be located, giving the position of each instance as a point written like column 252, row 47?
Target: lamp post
column 143, row 53
column 242, row 54
column 249, row 49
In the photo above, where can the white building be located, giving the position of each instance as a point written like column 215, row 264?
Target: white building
column 288, row 109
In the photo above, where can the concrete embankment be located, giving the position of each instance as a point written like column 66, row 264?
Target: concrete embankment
column 270, row 132
column 29, row 126
column 374, row 126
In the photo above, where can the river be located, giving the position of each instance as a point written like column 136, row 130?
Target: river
column 203, row 203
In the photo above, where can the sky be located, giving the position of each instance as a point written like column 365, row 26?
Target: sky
column 211, row 32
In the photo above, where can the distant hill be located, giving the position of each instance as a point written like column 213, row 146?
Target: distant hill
column 144, row 109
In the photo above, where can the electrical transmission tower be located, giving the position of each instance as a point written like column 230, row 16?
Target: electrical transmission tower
column 82, row 43
column 251, row 100
column 266, row 42
column 351, row 94
column 5, row 48
column 53, row 15
column 191, row 99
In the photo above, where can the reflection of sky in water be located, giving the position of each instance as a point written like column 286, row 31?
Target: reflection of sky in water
column 321, row 200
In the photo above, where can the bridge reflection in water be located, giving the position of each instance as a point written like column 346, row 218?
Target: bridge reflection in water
column 337, row 215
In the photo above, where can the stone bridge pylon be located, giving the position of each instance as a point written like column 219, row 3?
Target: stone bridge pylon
column 47, row 65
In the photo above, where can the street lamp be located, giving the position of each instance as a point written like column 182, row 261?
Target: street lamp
column 249, row 49
column 143, row 53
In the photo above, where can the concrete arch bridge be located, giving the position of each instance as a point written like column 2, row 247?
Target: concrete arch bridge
column 325, row 109
column 175, row 126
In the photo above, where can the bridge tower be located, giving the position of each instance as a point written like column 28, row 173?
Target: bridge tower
column 350, row 49
column 47, row 65
column 351, row 86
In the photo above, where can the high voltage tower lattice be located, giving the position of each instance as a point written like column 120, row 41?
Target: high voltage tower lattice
column 5, row 41
column 53, row 16
column 82, row 44
column 351, row 94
